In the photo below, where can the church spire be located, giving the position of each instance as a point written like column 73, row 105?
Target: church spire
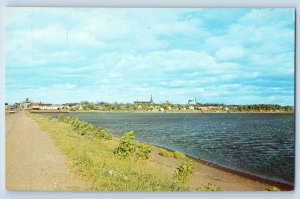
column 151, row 100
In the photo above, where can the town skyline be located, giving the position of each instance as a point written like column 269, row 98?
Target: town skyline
column 230, row 56
column 191, row 101
column 145, row 106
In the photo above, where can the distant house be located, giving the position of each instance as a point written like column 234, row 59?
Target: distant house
column 42, row 106
column 203, row 108
column 25, row 105
column 65, row 107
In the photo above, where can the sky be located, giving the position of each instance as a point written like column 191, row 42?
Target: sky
column 230, row 56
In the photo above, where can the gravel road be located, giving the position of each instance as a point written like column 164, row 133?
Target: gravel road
column 32, row 161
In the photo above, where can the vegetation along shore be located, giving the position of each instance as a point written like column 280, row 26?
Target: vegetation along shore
column 110, row 163
column 148, row 106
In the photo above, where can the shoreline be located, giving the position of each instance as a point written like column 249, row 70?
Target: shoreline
column 283, row 186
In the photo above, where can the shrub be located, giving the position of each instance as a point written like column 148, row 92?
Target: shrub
column 86, row 128
column 67, row 120
column 184, row 172
column 75, row 123
column 179, row 155
column 165, row 153
column 62, row 118
column 208, row 187
column 81, row 127
column 143, row 151
column 108, row 136
column 102, row 134
column 126, row 146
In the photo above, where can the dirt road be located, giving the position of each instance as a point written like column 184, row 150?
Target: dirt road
column 32, row 161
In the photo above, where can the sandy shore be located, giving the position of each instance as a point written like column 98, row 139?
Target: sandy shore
column 227, row 180
column 32, row 162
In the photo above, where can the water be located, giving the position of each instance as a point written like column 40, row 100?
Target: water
column 260, row 144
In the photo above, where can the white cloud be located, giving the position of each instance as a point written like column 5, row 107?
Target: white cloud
column 230, row 53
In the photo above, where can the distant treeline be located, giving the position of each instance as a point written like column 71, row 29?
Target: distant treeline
column 265, row 107
column 208, row 107
column 252, row 107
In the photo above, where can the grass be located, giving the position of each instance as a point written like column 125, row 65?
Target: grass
column 176, row 154
column 93, row 159
column 208, row 187
column 166, row 153
column 179, row 155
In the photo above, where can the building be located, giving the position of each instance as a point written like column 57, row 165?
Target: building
column 25, row 105
column 144, row 102
column 192, row 102
column 191, row 107
column 42, row 106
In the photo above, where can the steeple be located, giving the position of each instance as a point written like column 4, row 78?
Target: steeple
column 151, row 100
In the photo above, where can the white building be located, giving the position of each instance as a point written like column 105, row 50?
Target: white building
column 41, row 106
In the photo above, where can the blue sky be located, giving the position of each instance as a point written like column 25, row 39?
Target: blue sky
column 231, row 56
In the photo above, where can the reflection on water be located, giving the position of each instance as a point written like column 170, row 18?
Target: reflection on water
column 262, row 144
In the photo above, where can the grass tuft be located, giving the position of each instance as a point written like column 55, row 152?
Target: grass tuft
column 179, row 155
column 165, row 153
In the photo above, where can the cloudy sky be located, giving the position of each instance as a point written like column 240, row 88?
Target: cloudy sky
column 231, row 56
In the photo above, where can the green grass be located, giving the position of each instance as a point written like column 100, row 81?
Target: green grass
column 179, row 155
column 166, row 153
column 208, row 187
column 93, row 159
column 176, row 154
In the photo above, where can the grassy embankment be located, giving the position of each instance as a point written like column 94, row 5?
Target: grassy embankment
column 109, row 163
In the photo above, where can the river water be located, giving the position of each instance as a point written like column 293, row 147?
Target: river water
column 260, row 144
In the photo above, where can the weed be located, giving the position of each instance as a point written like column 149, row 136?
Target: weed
column 143, row 151
column 184, row 172
column 208, row 187
column 165, row 153
column 126, row 146
column 179, row 155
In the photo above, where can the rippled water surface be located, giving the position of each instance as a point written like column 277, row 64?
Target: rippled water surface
column 261, row 144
